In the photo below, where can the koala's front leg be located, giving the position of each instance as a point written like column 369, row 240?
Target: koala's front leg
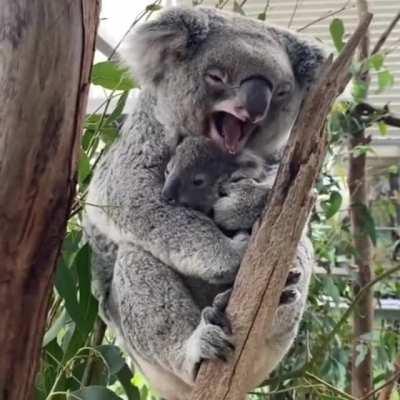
column 163, row 329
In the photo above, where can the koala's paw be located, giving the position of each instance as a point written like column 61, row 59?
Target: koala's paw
column 291, row 306
column 290, row 294
column 215, row 314
column 240, row 242
column 212, row 338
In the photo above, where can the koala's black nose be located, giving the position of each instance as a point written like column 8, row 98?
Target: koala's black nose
column 255, row 94
column 170, row 191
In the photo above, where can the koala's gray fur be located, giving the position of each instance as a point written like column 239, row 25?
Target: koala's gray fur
column 157, row 268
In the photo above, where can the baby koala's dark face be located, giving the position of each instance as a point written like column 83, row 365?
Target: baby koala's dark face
column 194, row 174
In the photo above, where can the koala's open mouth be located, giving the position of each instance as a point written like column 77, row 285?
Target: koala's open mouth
column 229, row 132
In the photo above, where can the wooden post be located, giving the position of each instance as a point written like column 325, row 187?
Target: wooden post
column 46, row 53
column 259, row 283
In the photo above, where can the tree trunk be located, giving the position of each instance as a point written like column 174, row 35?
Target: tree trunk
column 259, row 284
column 363, row 317
column 46, row 52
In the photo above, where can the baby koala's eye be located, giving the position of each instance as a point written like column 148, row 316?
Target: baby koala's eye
column 199, row 181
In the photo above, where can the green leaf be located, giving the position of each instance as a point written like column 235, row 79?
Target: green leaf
column 376, row 61
column 383, row 128
column 65, row 285
column 84, row 167
column 117, row 112
column 110, row 76
column 336, row 29
column 108, row 135
column 385, row 80
column 153, row 7
column 363, row 150
column 333, row 204
column 94, row 393
column 331, row 289
column 55, row 328
column 87, row 302
column 359, row 91
column 262, row 16
column 125, row 376
column 393, row 169
column 368, row 222
column 112, row 356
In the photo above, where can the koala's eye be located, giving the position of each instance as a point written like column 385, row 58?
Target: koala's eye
column 215, row 77
column 199, row 181
column 283, row 90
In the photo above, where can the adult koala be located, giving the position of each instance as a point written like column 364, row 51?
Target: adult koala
column 157, row 268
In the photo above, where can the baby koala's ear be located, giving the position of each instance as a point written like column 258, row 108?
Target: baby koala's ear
column 248, row 166
column 157, row 45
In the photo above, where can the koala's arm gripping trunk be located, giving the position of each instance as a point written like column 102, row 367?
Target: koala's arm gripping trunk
column 266, row 264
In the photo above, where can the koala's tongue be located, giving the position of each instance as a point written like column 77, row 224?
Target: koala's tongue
column 232, row 133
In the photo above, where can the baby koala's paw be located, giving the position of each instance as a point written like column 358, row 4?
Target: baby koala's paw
column 240, row 241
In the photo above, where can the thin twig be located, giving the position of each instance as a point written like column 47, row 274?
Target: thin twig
column 327, row 15
column 392, row 379
column 147, row 10
column 382, row 39
column 329, row 386
column 296, row 5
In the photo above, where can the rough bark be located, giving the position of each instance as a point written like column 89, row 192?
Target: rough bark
column 46, row 52
column 361, row 377
column 259, row 284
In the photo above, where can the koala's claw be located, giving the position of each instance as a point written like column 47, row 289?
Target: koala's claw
column 221, row 299
column 214, row 332
column 214, row 343
column 215, row 315
column 293, row 277
column 288, row 296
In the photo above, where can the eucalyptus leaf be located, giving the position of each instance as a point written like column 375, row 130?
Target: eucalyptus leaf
column 336, row 29
column 385, row 80
column 333, row 204
column 112, row 356
column 111, row 76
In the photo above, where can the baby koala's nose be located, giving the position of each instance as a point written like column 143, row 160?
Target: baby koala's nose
column 170, row 191
column 168, row 198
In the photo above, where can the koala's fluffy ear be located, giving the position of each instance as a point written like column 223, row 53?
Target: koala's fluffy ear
column 306, row 54
column 154, row 46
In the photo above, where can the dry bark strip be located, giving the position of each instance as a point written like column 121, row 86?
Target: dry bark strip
column 270, row 255
column 46, row 53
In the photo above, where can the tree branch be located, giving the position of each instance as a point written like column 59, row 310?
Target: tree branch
column 376, row 114
column 381, row 41
column 259, row 284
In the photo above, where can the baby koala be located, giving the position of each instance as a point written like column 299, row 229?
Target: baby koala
column 196, row 173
